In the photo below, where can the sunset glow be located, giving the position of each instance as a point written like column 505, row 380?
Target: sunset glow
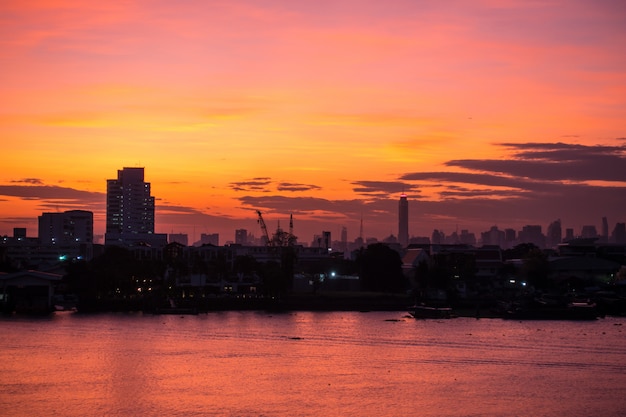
column 482, row 112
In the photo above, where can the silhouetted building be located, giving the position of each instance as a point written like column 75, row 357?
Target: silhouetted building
column 28, row 291
column 422, row 240
column 554, row 237
column 569, row 234
column 322, row 241
column 510, row 238
column 488, row 261
column 588, row 231
column 181, row 238
column 130, row 211
column 344, row 239
column 391, row 239
column 65, row 236
column 532, row 234
column 438, row 237
column 357, row 244
column 241, row 237
column 453, row 239
column 605, row 230
column 210, row 239
column 69, row 227
column 326, row 242
column 403, row 221
column 467, row 238
column 619, row 233
column 493, row 237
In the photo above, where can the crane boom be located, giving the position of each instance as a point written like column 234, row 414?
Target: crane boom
column 264, row 228
column 280, row 238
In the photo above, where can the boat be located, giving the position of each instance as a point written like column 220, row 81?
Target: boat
column 432, row 303
column 65, row 302
column 424, row 311
column 552, row 308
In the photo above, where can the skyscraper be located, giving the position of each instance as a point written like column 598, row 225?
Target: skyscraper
column 130, row 210
column 344, row 239
column 554, row 236
column 605, row 231
column 241, row 237
column 403, row 221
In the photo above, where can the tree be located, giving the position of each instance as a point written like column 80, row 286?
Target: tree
column 381, row 269
column 535, row 268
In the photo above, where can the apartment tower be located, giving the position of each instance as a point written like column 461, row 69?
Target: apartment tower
column 130, row 209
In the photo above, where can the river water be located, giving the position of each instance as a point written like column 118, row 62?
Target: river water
column 309, row 364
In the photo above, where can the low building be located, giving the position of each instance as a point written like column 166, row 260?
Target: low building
column 27, row 291
column 412, row 259
column 584, row 270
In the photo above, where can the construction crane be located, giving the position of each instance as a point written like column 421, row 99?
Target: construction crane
column 264, row 228
column 280, row 238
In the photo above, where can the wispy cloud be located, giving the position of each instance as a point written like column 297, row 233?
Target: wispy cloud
column 382, row 187
column 293, row 187
column 554, row 162
column 34, row 181
column 254, row 184
column 266, row 185
column 50, row 192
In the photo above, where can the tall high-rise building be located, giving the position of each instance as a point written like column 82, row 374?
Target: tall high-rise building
column 403, row 221
column 619, row 233
column 344, row 239
column 493, row 237
column 130, row 210
column 532, row 234
column 554, row 236
column 326, row 242
column 605, row 230
column 510, row 238
column 241, row 237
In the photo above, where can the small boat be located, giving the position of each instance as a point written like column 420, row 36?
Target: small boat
column 424, row 311
column 432, row 303
column 544, row 308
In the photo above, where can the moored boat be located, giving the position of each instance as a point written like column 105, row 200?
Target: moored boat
column 552, row 309
column 423, row 311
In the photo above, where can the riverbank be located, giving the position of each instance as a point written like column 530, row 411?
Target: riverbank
column 325, row 301
column 322, row 301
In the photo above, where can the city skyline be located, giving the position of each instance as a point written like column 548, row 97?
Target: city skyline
column 483, row 114
column 139, row 226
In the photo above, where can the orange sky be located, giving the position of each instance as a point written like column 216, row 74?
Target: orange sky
column 324, row 109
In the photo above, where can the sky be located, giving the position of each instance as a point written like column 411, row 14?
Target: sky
column 483, row 112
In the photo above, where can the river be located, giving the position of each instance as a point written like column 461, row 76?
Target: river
column 309, row 364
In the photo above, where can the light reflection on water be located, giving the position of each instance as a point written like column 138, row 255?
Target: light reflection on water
column 309, row 364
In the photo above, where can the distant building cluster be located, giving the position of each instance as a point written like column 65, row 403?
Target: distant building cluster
column 130, row 222
column 62, row 236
